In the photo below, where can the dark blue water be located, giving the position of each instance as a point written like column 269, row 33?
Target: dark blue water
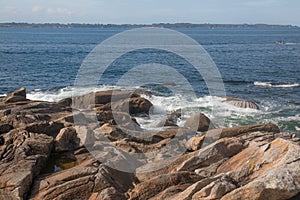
column 251, row 64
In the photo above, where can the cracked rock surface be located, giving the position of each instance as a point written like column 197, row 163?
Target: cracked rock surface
column 46, row 154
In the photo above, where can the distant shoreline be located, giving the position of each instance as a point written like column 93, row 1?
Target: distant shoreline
column 160, row 25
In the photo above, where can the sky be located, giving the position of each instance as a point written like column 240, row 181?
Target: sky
column 151, row 11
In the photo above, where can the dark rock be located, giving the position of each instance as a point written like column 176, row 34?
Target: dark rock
column 48, row 128
column 171, row 120
column 198, row 122
column 2, row 140
column 4, row 128
column 67, row 102
column 18, row 95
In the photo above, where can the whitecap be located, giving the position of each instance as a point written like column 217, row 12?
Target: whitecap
column 258, row 83
column 269, row 84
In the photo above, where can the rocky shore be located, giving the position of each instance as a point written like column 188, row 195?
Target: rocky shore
column 47, row 151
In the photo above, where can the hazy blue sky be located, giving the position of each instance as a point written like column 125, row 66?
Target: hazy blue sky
column 149, row 11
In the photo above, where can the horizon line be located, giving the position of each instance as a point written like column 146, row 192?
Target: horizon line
column 146, row 24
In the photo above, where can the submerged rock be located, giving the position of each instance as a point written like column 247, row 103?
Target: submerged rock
column 241, row 103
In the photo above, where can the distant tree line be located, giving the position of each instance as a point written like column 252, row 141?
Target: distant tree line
column 162, row 25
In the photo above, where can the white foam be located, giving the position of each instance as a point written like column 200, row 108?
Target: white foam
column 269, row 84
column 287, row 85
column 54, row 96
column 221, row 113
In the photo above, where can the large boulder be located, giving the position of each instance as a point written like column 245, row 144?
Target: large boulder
column 241, row 103
column 133, row 106
column 101, row 97
column 198, row 122
column 67, row 140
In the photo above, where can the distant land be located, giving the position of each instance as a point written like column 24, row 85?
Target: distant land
column 162, row 25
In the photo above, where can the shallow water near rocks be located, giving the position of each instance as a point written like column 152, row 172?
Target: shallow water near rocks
column 59, row 162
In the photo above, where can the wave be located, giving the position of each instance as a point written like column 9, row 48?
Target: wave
column 221, row 113
column 269, row 84
column 56, row 95
column 292, row 43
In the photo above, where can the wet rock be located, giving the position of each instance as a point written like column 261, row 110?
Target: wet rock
column 198, row 122
column 171, row 120
column 242, row 103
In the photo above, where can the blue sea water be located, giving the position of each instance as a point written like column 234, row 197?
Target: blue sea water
column 46, row 62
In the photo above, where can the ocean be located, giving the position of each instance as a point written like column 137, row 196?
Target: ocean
column 253, row 67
